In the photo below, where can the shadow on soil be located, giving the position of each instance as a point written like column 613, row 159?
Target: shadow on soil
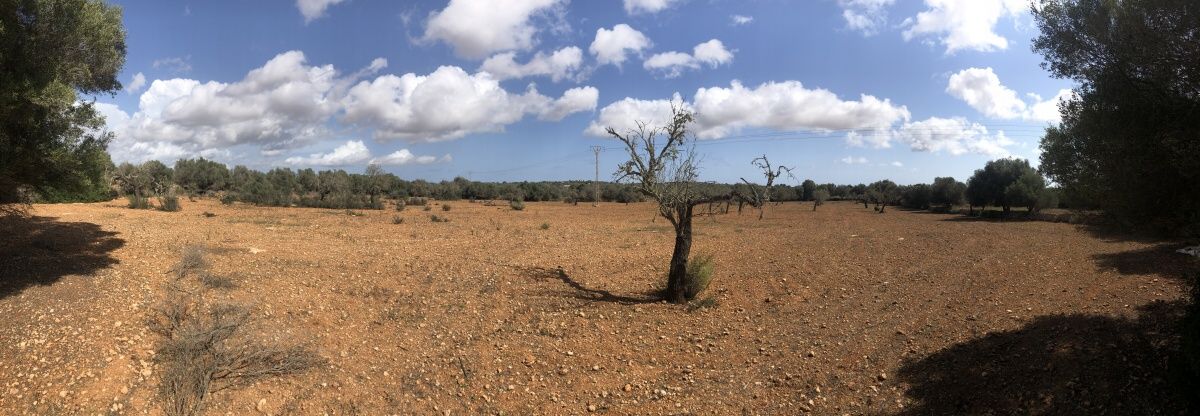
column 581, row 291
column 1059, row 365
column 1160, row 260
column 41, row 250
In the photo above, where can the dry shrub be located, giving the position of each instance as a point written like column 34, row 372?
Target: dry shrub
column 516, row 205
column 138, row 202
column 208, row 346
column 191, row 261
column 169, row 202
column 213, row 281
column 699, row 274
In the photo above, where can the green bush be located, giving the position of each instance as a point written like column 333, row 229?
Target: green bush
column 228, row 198
column 138, row 202
column 169, row 202
column 416, row 200
column 517, row 205
column 699, row 274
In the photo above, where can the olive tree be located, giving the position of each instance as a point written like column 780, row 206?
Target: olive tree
column 665, row 169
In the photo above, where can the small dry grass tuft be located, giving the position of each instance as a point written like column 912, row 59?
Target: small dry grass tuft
column 699, row 275
column 191, row 261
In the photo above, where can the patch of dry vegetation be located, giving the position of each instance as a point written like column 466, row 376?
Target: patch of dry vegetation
column 209, row 345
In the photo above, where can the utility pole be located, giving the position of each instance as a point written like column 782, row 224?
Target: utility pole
column 596, row 183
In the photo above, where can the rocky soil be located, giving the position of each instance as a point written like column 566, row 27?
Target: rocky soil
column 549, row 311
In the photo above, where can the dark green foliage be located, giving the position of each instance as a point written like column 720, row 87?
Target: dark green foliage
column 947, row 192
column 1129, row 141
column 201, row 176
column 882, row 194
column 50, row 52
column 806, row 190
column 1005, row 183
column 918, row 196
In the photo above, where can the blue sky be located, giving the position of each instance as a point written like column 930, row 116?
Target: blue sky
column 846, row 91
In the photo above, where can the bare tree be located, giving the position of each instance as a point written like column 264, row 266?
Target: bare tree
column 667, row 173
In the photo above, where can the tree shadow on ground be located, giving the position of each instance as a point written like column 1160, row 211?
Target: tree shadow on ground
column 1059, row 365
column 583, row 292
column 40, row 250
column 1159, row 259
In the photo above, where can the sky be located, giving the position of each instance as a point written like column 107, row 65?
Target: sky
column 844, row 91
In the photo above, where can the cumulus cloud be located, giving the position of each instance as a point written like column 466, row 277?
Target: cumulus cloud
column 784, row 106
column 314, row 9
column 851, row 160
column 1047, row 110
column 739, row 20
column 450, row 103
column 136, row 84
column 672, row 64
column 964, row 24
column 563, row 64
column 282, row 104
column 405, row 157
column 897, row 164
column 477, row 28
column 955, row 136
column 613, row 46
column 981, row 89
column 633, row 7
column 354, row 152
column 865, row 16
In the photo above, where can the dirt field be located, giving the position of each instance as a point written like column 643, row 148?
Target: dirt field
column 838, row 311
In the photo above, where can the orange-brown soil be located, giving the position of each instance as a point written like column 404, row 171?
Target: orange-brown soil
column 837, row 311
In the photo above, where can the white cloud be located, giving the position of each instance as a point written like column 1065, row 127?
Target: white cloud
column 964, row 24
column 613, row 46
column 851, row 160
column 404, row 157
column 788, row 105
column 1047, row 110
column 572, row 101
column 135, row 85
column 314, row 9
column 633, row 7
column 865, row 16
column 354, row 152
column 783, row 106
column 672, row 64
column 981, row 89
column 450, row 103
column 282, row 104
column 174, row 65
column 563, row 64
column 897, row 164
column 477, row 28
column 739, row 20
column 955, row 136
